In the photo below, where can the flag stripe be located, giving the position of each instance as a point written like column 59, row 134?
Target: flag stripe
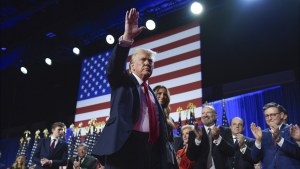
column 194, row 27
column 177, row 58
column 185, row 87
column 175, row 74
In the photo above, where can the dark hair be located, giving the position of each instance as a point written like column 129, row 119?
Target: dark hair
column 58, row 124
column 273, row 104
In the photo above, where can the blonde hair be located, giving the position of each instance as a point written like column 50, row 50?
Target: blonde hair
column 23, row 162
column 187, row 126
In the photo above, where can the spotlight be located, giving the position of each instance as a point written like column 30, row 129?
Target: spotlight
column 196, row 8
column 24, row 70
column 150, row 24
column 76, row 51
column 110, row 39
column 48, row 61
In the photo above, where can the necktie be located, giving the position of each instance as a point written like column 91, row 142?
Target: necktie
column 154, row 131
column 52, row 146
column 209, row 158
column 235, row 140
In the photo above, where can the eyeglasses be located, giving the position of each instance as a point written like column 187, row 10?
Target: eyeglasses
column 271, row 115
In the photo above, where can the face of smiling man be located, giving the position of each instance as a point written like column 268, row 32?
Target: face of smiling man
column 209, row 116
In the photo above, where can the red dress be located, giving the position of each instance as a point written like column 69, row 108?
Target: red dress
column 184, row 163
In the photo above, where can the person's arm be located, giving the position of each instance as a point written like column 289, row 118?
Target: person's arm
column 116, row 67
column 256, row 152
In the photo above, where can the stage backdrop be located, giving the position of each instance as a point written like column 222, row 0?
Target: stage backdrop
column 177, row 66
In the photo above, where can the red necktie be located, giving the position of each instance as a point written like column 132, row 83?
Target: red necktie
column 154, row 131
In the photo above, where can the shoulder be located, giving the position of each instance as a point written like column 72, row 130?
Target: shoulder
column 91, row 158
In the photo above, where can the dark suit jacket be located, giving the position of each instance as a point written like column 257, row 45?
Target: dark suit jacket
column 89, row 162
column 240, row 160
column 274, row 156
column 125, row 106
column 220, row 153
column 59, row 156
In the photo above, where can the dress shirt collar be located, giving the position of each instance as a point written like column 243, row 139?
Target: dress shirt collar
column 206, row 127
column 140, row 81
column 52, row 138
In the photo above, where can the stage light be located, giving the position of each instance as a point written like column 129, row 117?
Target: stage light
column 150, row 24
column 24, row 70
column 76, row 50
column 3, row 48
column 196, row 8
column 48, row 61
column 110, row 39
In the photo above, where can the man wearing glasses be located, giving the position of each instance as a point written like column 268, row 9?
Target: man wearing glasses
column 275, row 146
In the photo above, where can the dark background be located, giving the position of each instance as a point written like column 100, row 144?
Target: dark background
column 245, row 45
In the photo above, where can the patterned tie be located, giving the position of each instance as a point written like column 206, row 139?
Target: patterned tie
column 154, row 131
column 209, row 158
column 52, row 146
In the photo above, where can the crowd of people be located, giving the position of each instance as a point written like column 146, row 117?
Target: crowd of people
column 139, row 131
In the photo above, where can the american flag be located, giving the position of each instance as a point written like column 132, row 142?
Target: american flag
column 177, row 66
column 224, row 116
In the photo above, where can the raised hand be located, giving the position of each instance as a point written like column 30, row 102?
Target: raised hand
column 198, row 132
column 275, row 132
column 215, row 132
column 256, row 131
column 295, row 132
column 131, row 25
column 241, row 140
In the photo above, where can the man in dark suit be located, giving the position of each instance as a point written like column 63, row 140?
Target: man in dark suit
column 135, row 136
column 82, row 161
column 242, row 156
column 209, row 146
column 275, row 146
column 52, row 152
